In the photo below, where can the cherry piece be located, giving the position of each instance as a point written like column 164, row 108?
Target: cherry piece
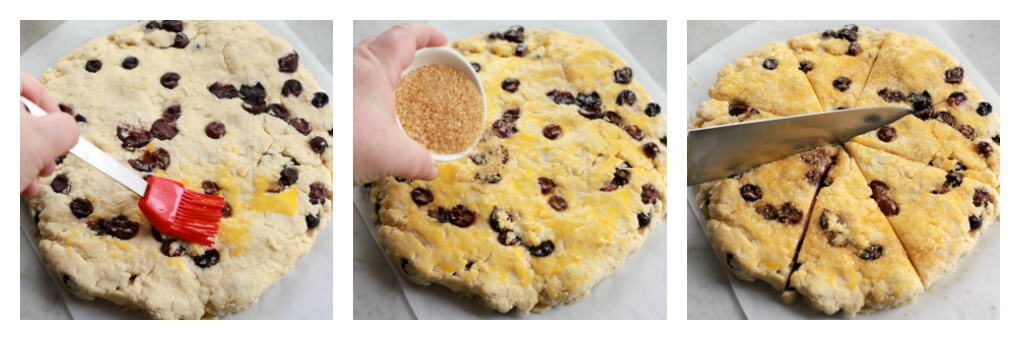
column 288, row 63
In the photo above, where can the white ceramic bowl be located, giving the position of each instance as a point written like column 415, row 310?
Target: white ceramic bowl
column 449, row 57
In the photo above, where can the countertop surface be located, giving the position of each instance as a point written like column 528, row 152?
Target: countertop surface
column 36, row 284
column 709, row 295
column 377, row 295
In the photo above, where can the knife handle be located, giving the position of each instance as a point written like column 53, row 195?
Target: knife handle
column 91, row 154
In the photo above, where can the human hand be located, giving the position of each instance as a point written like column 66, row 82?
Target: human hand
column 381, row 148
column 42, row 138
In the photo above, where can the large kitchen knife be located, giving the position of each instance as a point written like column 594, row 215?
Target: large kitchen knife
column 719, row 151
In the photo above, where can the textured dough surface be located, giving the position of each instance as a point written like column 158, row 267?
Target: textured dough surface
column 835, row 270
column 934, row 228
column 935, row 143
column 966, row 112
column 830, row 58
column 909, row 64
column 753, row 246
column 266, row 232
column 596, row 231
column 717, row 112
column 784, row 90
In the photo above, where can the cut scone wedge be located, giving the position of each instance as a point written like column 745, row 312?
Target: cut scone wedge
column 768, row 79
column 850, row 259
column 968, row 108
column 973, row 124
column 910, row 72
column 937, row 215
column 756, row 219
column 717, row 112
column 939, row 142
column 961, row 150
column 837, row 62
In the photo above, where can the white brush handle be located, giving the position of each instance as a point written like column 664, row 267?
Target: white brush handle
column 99, row 159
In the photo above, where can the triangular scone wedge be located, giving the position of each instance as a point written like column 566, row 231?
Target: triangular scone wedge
column 908, row 68
column 962, row 151
column 968, row 108
column 937, row 215
column 974, row 121
column 756, row 219
column 717, row 112
column 911, row 72
column 837, row 64
column 908, row 137
column 850, row 258
column 768, row 79
column 931, row 142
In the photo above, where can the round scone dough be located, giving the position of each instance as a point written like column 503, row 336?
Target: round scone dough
column 268, row 154
column 933, row 175
column 564, row 184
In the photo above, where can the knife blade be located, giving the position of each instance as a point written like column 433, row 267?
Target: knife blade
column 95, row 156
column 719, row 151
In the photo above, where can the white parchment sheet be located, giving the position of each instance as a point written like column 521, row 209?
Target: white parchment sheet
column 971, row 291
column 304, row 293
column 637, row 290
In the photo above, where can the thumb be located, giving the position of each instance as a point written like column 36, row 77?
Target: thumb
column 419, row 163
column 57, row 133
column 31, row 190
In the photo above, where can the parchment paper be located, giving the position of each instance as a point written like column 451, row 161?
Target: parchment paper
column 971, row 291
column 304, row 293
column 637, row 290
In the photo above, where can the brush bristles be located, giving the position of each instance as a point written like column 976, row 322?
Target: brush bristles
column 199, row 208
column 198, row 215
column 194, row 198
column 195, row 231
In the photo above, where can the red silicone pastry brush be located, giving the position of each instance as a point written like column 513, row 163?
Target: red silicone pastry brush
column 176, row 211
column 170, row 207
